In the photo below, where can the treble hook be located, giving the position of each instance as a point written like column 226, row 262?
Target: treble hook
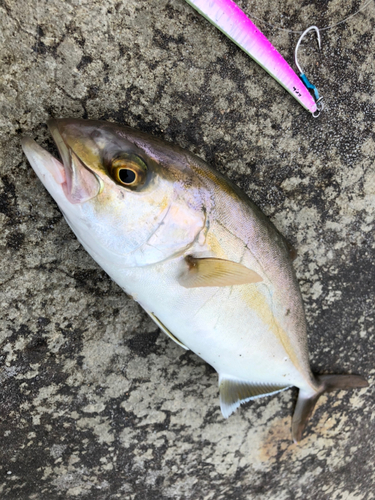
column 318, row 100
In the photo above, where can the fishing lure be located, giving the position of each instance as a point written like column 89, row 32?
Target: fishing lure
column 233, row 22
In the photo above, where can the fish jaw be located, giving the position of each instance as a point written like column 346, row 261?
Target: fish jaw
column 81, row 184
column 51, row 172
column 76, row 182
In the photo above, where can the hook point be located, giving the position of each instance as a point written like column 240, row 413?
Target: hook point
column 316, row 29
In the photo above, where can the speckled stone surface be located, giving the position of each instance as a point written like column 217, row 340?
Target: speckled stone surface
column 96, row 402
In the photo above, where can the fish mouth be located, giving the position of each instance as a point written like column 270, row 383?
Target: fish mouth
column 62, row 148
column 81, row 183
column 77, row 181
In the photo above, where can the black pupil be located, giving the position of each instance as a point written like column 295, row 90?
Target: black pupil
column 126, row 176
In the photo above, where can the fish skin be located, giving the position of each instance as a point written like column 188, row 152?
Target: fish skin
column 254, row 335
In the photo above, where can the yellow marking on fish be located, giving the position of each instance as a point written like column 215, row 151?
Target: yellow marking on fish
column 164, row 203
column 214, row 245
column 253, row 296
column 219, row 183
column 255, row 299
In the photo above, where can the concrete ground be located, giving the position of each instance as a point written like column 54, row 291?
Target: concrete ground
column 96, row 402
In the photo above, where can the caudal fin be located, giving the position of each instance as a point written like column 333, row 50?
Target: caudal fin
column 327, row 383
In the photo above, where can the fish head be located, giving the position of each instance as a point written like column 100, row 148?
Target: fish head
column 126, row 195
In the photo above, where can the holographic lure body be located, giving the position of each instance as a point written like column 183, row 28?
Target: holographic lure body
column 233, row 22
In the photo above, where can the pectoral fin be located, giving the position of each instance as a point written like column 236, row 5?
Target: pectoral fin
column 234, row 392
column 166, row 331
column 215, row 272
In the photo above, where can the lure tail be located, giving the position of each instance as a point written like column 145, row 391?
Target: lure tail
column 327, row 383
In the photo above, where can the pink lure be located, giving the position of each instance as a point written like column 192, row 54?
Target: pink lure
column 233, row 22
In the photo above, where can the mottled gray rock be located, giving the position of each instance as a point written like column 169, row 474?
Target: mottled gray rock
column 96, row 403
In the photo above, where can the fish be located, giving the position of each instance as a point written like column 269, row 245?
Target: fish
column 233, row 22
column 194, row 251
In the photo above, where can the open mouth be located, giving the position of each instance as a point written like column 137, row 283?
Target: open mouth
column 78, row 183
column 61, row 146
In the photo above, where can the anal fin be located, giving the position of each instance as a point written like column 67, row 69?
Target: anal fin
column 234, row 392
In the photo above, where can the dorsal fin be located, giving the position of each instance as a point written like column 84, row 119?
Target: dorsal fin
column 166, row 331
column 215, row 272
column 234, row 392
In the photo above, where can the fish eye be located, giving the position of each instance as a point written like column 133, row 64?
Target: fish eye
column 128, row 170
column 127, row 176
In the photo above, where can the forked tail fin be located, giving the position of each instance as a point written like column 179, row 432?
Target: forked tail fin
column 327, row 383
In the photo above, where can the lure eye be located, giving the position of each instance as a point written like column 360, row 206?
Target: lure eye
column 128, row 170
